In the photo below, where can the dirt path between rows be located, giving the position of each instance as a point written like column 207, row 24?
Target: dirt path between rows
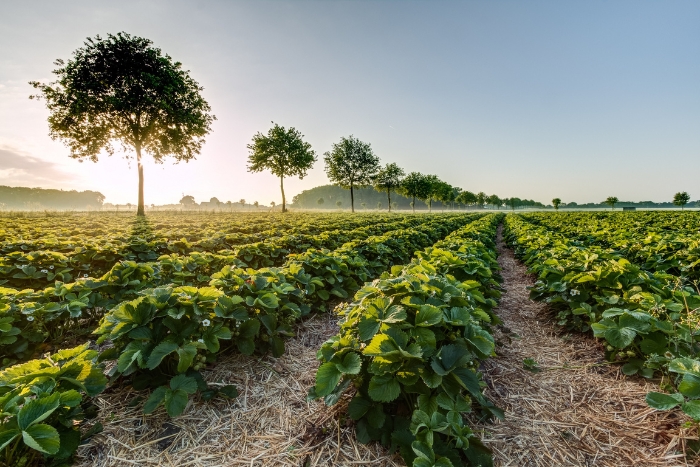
column 577, row 410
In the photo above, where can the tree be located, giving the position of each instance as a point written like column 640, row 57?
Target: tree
column 214, row 201
column 364, row 205
column 256, row 204
column 467, row 197
column 272, row 203
column 188, row 201
column 514, row 203
column 389, row 178
column 681, row 199
column 282, row 152
column 494, row 201
column 338, row 203
column 123, row 89
column 379, row 205
column 320, row 201
column 611, row 201
column 456, row 191
column 556, row 202
column 415, row 185
column 481, row 199
column 351, row 163
column 441, row 191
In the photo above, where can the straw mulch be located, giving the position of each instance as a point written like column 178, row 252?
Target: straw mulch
column 269, row 423
column 577, row 410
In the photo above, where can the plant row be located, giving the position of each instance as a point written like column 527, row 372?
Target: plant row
column 648, row 321
column 409, row 349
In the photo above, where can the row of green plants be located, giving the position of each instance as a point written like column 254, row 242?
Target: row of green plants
column 30, row 320
column 649, row 321
column 165, row 337
column 656, row 241
column 409, row 349
column 42, row 268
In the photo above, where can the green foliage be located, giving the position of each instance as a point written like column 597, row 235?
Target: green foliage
column 411, row 344
column 351, row 163
column 681, row 198
column 415, row 186
column 282, row 152
column 43, row 408
column 388, row 179
column 611, row 201
column 556, row 202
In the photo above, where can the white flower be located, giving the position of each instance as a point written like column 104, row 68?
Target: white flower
column 206, row 322
column 50, row 267
column 201, row 341
column 30, row 318
column 84, row 275
column 575, row 292
column 45, row 271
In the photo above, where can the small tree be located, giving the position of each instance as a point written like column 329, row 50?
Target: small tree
column 415, row 185
column 389, row 178
column 494, row 201
column 338, row 203
column 320, row 201
column 188, row 201
column 282, row 152
column 481, row 199
column 228, row 205
column 556, row 202
column 611, row 201
column 351, row 163
column 467, row 197
column 256, row 204
column 514, row 203
column 123, row 89
column 242, row 202
column 681, row 199
column 379, row 204
column 364, row 205
column 272, row 203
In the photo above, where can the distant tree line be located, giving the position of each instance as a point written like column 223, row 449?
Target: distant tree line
column 22, row 198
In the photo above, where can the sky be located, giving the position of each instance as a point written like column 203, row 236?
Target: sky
column 539, row 99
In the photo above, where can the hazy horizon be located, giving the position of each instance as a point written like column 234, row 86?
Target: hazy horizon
column 536, row 100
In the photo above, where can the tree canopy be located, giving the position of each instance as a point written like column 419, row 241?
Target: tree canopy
column 681, row 199
column 556, row 202
column 351, row 163
column 388, row 179
column 611, row 201
column 122, row 89
column 282, row 152
column 415, row 185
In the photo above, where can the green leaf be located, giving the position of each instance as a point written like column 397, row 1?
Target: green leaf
column 37, row 410
column 159, row 353
column 71, row 398
column 661, row 401
column 42, row 437
column 692, row 409
column 351, row 364
column 7, row 436
column 384, row 388
column 358, row 407
column 184, row 383
column 155, row 399
column 620, row 338
column 175, row 401
column 428, row 315
column 327, row 378
column 367, row 327
column 690, row 386
column 186, row 355
column 685, row 365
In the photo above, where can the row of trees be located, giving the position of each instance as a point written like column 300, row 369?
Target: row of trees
column 680, row 199
column 351, row 164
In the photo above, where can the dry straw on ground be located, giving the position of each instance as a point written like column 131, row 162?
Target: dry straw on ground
column 577, row 411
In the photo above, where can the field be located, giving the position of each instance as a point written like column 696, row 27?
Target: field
column 211, row 338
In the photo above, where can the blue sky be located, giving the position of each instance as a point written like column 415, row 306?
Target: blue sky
column 537, row 99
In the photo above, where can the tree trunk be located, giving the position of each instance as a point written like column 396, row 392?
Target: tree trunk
column 352, row 200
column 388, row 194
column 430, row 204
column 140, row 210
column 413, row 205
column 284, row 200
